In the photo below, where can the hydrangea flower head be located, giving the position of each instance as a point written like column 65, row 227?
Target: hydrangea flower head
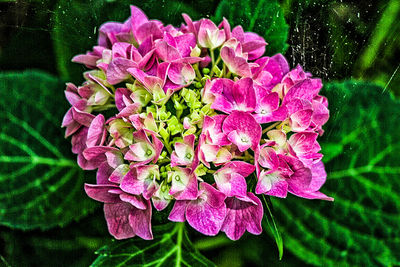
column 203, row 123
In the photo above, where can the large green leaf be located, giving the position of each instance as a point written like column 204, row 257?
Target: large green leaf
column 76, row 24
column 171, row 247
column 362, row 151
column 41, row 184
column 264, row 17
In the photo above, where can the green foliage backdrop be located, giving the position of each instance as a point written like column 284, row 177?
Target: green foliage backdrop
column 47, row 220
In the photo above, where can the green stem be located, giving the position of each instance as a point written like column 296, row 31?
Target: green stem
column 179, row 244
column 223, row 70
column 274, row 228
column 214, row 63
column 212, row 58
column 270, row 127
column 196, row 69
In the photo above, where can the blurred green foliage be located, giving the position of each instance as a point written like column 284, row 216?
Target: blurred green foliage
column 334, row 40
column 40, row 182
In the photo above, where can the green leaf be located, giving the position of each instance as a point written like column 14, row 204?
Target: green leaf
column 170, row 247
column 73, row 246
column 264, row 17
column 270, row 223
column 76, row 24
column 361, row 227
column 41, row 185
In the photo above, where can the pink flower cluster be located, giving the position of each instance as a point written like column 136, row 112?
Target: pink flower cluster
column 199, row 114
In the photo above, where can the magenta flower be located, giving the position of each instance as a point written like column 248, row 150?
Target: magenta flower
column 235, row 59
column 184, row 184
column 142, row 150
column 230, row 96
column 230, row 179
column 209, row 36
column 242, row 215
column 126, row 215
column 242, row 130
column 206, row 213
column 184, row 152
column 141, row 180
column 193, row 115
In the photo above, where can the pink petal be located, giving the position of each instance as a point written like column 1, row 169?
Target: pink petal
column 166, row 52
column 204, row 218
column 140, row 221
column 272, row 184
column 236, row 64
column 177, row 213
column 136, row 201
column 246, row 127
column 104, row 171
column 117, row 70
column 97, row 132
column 117, row 217
column 242, row 216
column 100, row 193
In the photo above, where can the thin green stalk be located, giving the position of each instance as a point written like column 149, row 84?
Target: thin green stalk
column 269, row 218
column 270, row 127
column 196, row 69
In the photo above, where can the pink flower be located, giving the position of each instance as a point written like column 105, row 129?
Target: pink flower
column 230, row 96
column 235, row 59
column 184, row 184
column 161, row 144
column 242, row 215
column 268, row 109
column 253, row 44
column 206, row 213
column 184, row 152
column 209, row 35
column 242, row 130
column 126, row 215
column 230, row 179
column 141, row 180
column 289, row 174
column 143, row 151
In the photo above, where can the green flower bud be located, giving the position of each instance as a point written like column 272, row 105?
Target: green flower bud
column 198, row 85
column 206, row 70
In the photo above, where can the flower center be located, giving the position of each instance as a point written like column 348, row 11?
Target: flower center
column 149, row 152
column 188, row 156
column 178, row 178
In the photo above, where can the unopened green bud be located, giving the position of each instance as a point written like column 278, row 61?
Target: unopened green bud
column 206, row 70
column 198, row 85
